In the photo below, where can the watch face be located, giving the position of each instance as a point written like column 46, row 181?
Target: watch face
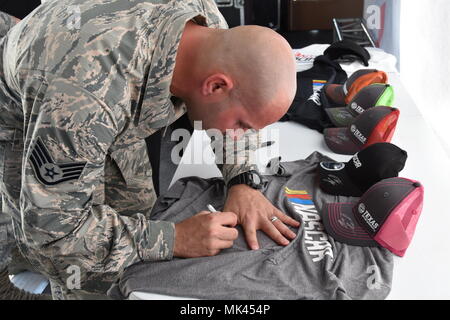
column 256, row 179
column 332, row 166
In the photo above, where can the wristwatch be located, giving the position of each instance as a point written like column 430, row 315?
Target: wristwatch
column 250, row 178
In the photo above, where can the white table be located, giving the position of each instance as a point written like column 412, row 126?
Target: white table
column 423, row 273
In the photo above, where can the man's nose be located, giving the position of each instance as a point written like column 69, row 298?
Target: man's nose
column 236, row 134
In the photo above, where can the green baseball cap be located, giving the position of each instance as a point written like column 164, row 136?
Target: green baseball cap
column 374, row 95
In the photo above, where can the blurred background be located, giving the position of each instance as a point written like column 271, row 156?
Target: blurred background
column 414, row 31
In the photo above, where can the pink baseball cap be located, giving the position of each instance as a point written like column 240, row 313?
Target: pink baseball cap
column 386, row 215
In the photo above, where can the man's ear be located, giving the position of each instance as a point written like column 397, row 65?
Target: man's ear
column 217, row 84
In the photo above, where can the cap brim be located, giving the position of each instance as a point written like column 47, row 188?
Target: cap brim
column 339, row 141
column 337, row 182
column 341, row 225
column 335, row 93
column 340, row 117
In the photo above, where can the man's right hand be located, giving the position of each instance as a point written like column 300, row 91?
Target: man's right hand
column 205, row 234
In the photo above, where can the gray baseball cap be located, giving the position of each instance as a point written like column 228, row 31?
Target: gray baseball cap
column 372, row 126
column 374, row 95
column 386, row 215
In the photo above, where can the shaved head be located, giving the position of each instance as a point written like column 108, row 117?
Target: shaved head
column 245, row 77
column 260, row 62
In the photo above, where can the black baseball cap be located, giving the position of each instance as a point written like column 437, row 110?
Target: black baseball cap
column 347, row 50
column 386, row 215
column 369, row 166
column 374, row 95
column 372, row 126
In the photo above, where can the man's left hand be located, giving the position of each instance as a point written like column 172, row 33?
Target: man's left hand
column 255, row 212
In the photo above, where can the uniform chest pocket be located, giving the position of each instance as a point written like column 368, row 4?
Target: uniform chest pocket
column 133, row 163
column 128, row 180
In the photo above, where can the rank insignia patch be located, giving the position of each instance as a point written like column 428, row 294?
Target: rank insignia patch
column 50, row 173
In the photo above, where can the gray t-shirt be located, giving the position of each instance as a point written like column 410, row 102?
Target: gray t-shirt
column 312, row 266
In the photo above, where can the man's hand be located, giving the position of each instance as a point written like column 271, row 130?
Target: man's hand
column 205, row 234
column 254, row 212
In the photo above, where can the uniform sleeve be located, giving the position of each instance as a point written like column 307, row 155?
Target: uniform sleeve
column 235, row 157
column 65, row 149
column 6, row 23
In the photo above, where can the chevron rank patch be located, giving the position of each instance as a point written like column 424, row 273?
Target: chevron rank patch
column 50, row 173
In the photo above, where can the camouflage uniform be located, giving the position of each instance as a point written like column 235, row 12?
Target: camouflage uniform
column 6, row 23
column 6, row 234
column 11, row 261
column 84, row 83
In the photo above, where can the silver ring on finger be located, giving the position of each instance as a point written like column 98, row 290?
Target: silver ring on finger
column 273, row 219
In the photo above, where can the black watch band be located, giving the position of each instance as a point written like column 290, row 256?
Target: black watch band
column 251, row 178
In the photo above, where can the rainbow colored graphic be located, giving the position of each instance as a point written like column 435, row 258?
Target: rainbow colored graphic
column 319, row 82
column 298, row 196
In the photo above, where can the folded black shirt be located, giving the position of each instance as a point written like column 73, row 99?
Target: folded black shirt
column 307, row 107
